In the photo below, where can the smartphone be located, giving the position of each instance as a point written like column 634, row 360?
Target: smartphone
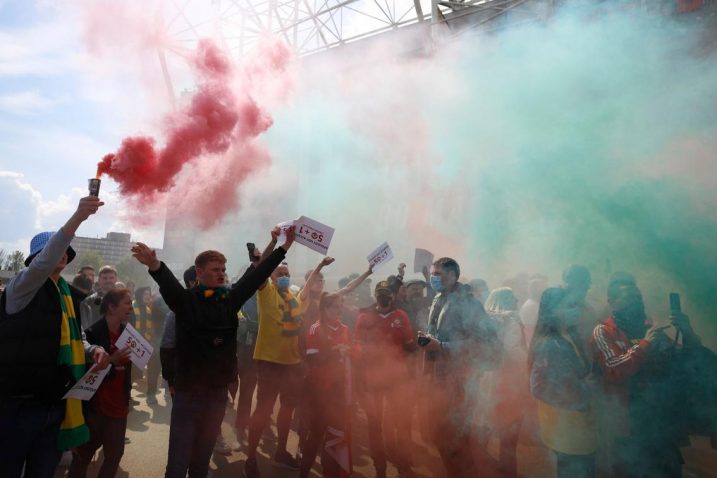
column 251, row 247
column 423, row 340
column 675, row 304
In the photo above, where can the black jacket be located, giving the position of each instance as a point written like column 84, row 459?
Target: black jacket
column 29, row 343
column 99, row 334
column 206, row 328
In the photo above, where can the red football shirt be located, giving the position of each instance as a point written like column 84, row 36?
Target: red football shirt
column 110, row 399
column 321, row 339
column 383, row 338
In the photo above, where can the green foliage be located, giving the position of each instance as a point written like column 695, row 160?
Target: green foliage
column 15, row 261
column 131, row 270
column 88, row 258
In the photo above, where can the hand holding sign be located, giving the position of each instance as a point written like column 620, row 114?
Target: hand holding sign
column 381, row 255
column 313, row 234
column 140, row 349
column 422, row 260
column 86, row 386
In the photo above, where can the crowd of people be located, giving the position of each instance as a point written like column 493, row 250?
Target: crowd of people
column 605, row 388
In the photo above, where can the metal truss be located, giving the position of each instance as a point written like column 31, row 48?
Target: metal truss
column 312, row 26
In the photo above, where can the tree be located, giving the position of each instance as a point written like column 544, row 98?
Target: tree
column 128, row 269
column 15, row 261
column 89, row 258
column 3, row 257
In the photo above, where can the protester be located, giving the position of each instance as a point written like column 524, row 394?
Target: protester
column 577, row 280
column 561, row 382
column 206, row 328
column 88, row 271
column 529, row 309
column 107, row 412
column 461, row 343
column 479, row 289
column 327, row 353
column 159, row 311
column 624, row 347
column 40, row 361
column 510, row 389
column 91, row 305
column 385, row 336
column 82, row 283
column 167, row 349
column 278, row 362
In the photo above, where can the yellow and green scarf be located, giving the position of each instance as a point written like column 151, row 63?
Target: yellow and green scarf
column 73, row 431
column 144, row 321
column 291, row 321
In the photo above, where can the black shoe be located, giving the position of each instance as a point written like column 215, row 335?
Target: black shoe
column 283, row 459
column 251, row 469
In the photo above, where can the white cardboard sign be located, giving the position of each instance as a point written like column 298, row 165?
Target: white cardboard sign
column 423, row 258
column 381, row 255
column 313, row 234
column 140, row 349
column 87, row 386
column 283, row 226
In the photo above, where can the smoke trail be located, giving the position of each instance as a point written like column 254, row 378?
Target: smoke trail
column 214, row 133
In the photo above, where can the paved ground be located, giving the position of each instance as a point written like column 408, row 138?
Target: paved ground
column 148, row 430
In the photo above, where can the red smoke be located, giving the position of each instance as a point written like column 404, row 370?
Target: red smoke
column 215, row 122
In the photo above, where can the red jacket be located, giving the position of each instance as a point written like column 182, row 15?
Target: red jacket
column 619, row 359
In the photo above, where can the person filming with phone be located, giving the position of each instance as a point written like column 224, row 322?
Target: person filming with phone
column 641, row 367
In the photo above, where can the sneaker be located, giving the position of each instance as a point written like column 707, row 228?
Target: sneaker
column 152, row 400
column 284, row 460
column 251, row 469
column 127, row 441
column 222, row 447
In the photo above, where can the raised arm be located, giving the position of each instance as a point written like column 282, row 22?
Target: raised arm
column 23, row 287
column 170, row 288
column 245, row 287
column 304, row 294
column 351, row 286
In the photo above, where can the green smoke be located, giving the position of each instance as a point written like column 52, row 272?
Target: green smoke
column 589, row 139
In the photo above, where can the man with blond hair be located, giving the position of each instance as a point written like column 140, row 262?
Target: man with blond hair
column 206, row 347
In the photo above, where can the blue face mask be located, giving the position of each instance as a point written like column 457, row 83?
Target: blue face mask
column 436, row 283
column 283, row 282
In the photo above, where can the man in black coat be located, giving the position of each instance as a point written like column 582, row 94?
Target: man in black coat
column 206, row 347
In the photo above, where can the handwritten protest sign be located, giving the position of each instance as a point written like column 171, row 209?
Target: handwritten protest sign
column 87, row 386
column 423, row 258
column 313, row 234
column 141, row 350
column 381, row 255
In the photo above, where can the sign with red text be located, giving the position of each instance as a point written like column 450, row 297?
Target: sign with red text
column 87, row 386
column 313, row 234
column 140, row 349
column 381, row 255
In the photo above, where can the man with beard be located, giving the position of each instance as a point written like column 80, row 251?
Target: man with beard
column 623, row 346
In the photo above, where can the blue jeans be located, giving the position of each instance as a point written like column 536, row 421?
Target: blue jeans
column 29, row 437
column 196, row 420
